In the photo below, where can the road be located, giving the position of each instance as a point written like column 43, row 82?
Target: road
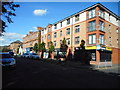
column 41, row 74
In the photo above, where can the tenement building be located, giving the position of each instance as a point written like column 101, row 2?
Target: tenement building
column 97, row 25
column 14, row 46
column 29, row 41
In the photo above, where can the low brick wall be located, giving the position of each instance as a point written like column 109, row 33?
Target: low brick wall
column 115, row 56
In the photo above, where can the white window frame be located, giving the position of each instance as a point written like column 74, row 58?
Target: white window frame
column 92, row 39
column 55, row 34
column 68, row 41
column 68, row 21
column 102, row 41
column 68, row 31
column 77, row 28
column 77, row 40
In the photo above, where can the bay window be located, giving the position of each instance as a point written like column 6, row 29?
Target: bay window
column 91, row 13
column 92, row 39
column 102, row 39
column 101, row 14
column 101, row 25
column 92, row 26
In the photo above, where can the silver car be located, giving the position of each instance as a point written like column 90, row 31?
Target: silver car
column 34, row 56
column 6, row 59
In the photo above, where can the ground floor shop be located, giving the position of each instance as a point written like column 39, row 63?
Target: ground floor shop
column 104, row 54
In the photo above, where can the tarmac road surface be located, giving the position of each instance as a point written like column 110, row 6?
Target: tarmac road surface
column 41, row 74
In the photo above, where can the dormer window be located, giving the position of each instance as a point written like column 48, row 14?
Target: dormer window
column 68, row 21
column 101, row 14
column 91, row 13
column 55, row 26
column 76, row 18
column 60, row 24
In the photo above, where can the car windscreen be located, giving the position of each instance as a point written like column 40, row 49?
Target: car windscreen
column 6, row 56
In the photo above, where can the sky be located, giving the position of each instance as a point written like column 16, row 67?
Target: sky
column 30, row 15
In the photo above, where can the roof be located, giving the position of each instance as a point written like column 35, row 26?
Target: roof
column 17, row 42
column 86, row 9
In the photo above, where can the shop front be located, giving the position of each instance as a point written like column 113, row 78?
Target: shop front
column 99, row 54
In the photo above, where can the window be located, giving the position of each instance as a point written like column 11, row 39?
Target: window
column 117, row 41
column 110, row 40
column 55, row 35
column 55, row 26
column 68, row 21
column 42, row 39
column 60, row 42
column 77, row 28
column 93, row 55
column 77, row 40
column 61, row 33
column 117, row 30
column 60, row 24
column 76, row 18
column 91, row 26
column 68, row 31
column 92, row 39
column 109, row 27
column 101, row 14
column 68, row 41
column 48, row 36
column 102, row 39
column 91, row 13
column 101, row 25
column 42, row 31
column 54, row 43
column 48, row 29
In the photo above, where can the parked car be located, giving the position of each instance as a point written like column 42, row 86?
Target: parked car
column 25, row 55
column 34, row 56
column 7, row 59
column 12, row 53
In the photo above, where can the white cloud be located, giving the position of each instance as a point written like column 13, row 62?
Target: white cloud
column 10, row 37
column 34, row 29
column 39, row 12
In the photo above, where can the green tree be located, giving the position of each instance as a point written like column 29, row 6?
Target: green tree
column 51, row 50
column 42, row 48
column 35, row 48
column 7, row 11
column 82, row 45
column 51, row 47
column 64, row 46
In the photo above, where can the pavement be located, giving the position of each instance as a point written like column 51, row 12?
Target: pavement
column 110, row 69
column 115, row 68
